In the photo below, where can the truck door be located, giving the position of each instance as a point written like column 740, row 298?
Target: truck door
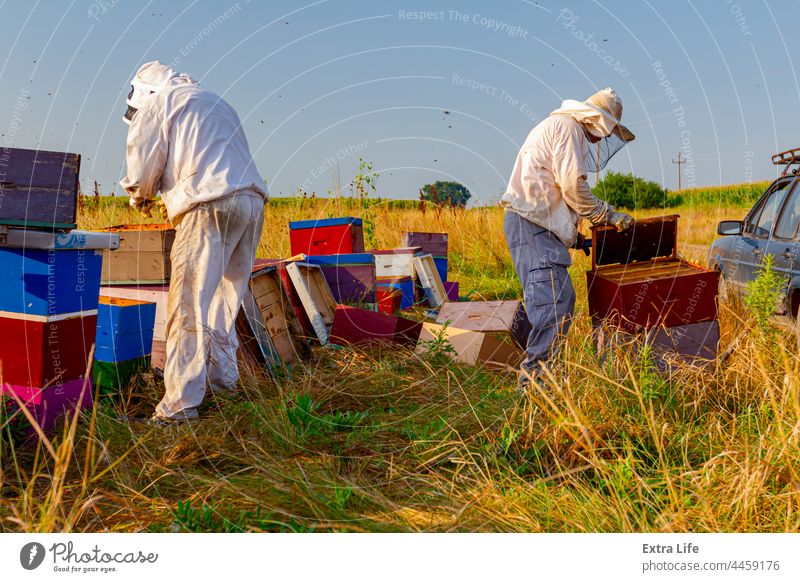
column 783, row 245
column 752, row 245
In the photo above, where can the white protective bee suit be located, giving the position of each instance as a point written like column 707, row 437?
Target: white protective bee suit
column 547, row 195
column 188, row 144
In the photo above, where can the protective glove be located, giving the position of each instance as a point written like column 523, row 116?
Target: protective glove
column 145, row 206
column 620, row 220
column 160, row 207
column 582, row 244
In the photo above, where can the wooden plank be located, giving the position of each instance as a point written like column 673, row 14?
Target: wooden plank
column 250, row 323
column 430, row 280
column 315, row 295
column 278, row 315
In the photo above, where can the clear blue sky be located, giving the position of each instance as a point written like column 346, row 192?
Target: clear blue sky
column 321, row 83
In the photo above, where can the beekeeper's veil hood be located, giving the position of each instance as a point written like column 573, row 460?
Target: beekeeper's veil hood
column 600, row 114
column 151, row 78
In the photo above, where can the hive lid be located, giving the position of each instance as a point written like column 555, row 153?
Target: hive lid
column 396, row 251
column 74, row 239
column 323, row 222
column 341, row 260
column 648, row 239
column 138, row 227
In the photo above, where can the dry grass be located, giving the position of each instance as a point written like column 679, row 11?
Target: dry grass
column 386, row 440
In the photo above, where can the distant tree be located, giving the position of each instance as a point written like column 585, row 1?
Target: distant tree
column 632, row 192
column 446, row 193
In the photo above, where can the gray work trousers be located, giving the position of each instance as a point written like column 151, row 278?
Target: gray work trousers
column 541, row 262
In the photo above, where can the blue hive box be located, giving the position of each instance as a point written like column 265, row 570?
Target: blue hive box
column 124, row 329
column 441, row 266
column 405, row 285
column 49, row 282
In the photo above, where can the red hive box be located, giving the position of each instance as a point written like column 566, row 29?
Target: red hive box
column 637, row 280
column 328, row 236
column 37, row 351
column 352, row 325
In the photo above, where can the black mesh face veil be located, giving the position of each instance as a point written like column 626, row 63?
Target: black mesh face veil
column 601, row 152
column 134, row 97
column 131, row 111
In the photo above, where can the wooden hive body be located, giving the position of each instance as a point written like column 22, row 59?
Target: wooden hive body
column 143, row 256
column 39, row 189
column 505, row 317
column 638, row 281
column 327, row 236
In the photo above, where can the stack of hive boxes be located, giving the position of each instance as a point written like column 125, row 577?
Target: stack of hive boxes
column 336, row 245
column 123, row 343
column 394, row 277
column 640, row 287
column 48, row 304
column 140, row 271
column 311, row 283
column 436, row 245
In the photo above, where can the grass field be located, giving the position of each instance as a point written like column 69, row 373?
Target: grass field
column 387, row 440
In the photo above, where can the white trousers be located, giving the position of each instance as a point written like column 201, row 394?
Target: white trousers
column 212, row 257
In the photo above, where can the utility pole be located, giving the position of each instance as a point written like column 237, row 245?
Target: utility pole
column 679, row 161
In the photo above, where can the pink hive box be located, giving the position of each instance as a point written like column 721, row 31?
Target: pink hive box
column 47, row 405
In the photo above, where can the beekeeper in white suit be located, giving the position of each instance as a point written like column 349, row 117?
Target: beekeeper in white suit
column 188, row 144
column 547, row 195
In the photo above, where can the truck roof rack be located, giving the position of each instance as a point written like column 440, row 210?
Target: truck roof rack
column 788, row 158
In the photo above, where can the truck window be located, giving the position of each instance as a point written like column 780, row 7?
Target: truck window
column 790, row 217
column 761, row 221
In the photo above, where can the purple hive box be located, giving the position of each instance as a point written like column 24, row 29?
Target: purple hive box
column 451, row 288
column 39, row 189
column 350, row 277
